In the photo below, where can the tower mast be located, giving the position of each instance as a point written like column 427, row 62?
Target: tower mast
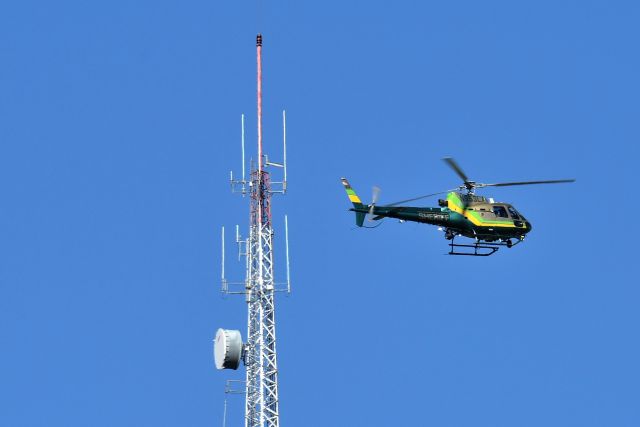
column 259, row 352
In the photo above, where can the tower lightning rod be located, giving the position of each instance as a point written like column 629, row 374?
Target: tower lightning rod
column 259, row 60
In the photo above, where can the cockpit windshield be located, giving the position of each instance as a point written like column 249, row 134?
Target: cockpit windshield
column 513, row 213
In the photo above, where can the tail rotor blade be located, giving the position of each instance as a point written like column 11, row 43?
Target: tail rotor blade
column 375, row 194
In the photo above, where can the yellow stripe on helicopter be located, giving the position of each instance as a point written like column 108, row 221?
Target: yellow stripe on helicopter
column 476, row 219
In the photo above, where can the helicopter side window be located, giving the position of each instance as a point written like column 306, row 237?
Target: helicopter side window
column 500, row 211
column 513, row 213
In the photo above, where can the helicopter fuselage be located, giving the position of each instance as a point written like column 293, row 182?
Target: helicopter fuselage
column 462, row 214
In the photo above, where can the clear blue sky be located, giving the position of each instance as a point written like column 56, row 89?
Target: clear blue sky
column 120, row 120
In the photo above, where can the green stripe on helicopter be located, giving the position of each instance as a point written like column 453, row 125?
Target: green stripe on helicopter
column 476, row 218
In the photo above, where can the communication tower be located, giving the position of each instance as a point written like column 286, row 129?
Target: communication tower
column 258, row 353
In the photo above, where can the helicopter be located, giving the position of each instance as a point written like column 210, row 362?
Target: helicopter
column 462, row 213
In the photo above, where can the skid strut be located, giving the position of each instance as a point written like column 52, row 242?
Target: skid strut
column 478, row 248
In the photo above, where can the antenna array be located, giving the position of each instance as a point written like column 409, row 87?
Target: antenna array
column 259, row 287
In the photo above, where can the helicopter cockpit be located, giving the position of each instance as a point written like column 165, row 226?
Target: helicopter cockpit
column 507, row 211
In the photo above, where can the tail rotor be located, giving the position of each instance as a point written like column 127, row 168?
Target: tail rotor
column 375, row 194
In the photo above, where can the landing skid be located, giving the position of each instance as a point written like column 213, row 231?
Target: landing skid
column 479, row 248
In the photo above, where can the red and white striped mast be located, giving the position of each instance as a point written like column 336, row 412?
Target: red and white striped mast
column 259, row 97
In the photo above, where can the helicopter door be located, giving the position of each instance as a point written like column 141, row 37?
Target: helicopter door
column 500, row 211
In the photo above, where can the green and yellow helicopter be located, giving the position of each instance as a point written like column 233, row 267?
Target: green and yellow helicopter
column 490, row 224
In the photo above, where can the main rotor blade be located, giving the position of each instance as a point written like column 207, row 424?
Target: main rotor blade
column 505, row 184
column 417, row 198
column 454, row 165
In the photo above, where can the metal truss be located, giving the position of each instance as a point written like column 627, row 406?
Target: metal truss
column 260, row 353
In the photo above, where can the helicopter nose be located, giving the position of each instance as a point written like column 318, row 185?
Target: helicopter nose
column 528, row 226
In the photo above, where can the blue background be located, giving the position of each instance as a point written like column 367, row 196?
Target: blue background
column 119, row 122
